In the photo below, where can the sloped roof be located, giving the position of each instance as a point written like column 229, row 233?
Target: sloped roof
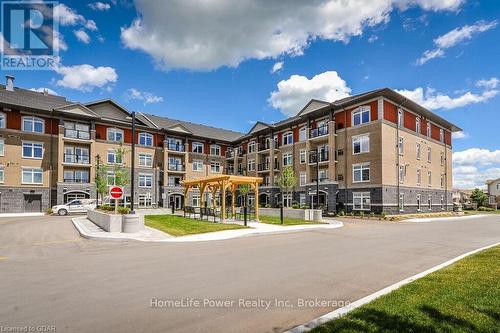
column 30, row 99
column 258, row 127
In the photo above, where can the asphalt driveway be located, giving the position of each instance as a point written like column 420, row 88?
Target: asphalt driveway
column 50, row 276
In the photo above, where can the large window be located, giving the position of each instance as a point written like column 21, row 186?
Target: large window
column 251, row 147
column 145, row 160
column 114, row 157
column 32, row 176
column 33, row 150
column 197, row 147
column 76, row 176
column 145, row 180
column 215, row 150
column 302, row 156
column 429, row 154
column 441, row 135
column 288, row 138
column 287, row 200
column 361, row 173
column 418, row 151
column 3, row 120
column 361, row 115
column 145, row 200
column 401, row 146
column 115, row 134
column 302, row 178
column 429, row 130
column 33, row 124
column 215, row 166
column 361, row 200
column 196, row 200
column 197, row 165
column 302, row 134
column 2, row 147
column 76, row 130
column 76, row 155
column 287, row 159
column 361, row 144
column 146, row 139
column 417, row 125
column 251, row 165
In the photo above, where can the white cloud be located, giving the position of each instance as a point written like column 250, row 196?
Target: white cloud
column 293, row 94
column 278, row 66
column 69, row 17
column 99, row 6
column 455, row 37
column 431, row 100
column 207, row 35
column 488, row 84
column 42, row 89
column 460, row 135
column 146, row 97
column 372, row 38
column 473, row 166
column 82, row 36
column 91, row 25
column 85, row 77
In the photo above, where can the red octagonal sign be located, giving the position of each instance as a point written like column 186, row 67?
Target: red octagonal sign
column 116, row 192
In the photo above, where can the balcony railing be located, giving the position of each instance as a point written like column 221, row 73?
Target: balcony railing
column 263, row 167
column 76, row 159
column 276, row 165
column 320, row 131
column 174, row 184
column 229, row 153
column 241, row 152
column 267, row 145
column 76, row 180
column 76, row 134
column 322, row 156
column 176, row 147
column 229, row 171
column 176, row 167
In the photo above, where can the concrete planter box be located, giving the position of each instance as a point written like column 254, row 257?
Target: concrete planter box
column 109, row 222
column 302, row 214
column 132, row 223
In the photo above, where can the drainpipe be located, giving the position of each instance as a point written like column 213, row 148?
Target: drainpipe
column 51, row 150
column 398, row 181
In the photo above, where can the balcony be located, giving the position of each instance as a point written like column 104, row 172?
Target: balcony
column 179, row 147
column 76, row 134
column 241, row 152
column 76, row 180
column 263, row 167
column 318, row 132
column 230, row 170
column 276, row 165
column 176, row 167
column 315, row 157
column 229, row 154
column 76, row 159
column 174, row 184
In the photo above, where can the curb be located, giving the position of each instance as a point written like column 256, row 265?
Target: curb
column 442, row 219
column 87, row 236
column 348, row 308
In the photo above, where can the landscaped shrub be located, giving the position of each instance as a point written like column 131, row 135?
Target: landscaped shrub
column 49, row 211
column 267, row 206
column 108, row 208
column 485, row 209
column 384, row 214
column 341, row 212
column 295, row 206
column 123, row 210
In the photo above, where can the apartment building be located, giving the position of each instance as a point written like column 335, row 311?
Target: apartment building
column 371, row 152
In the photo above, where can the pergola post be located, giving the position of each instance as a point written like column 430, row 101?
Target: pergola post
column 256, row 201
column 223, row 207
column 202, row 194
column 233, row 193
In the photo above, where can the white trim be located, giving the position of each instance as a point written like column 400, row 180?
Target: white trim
column 33, row 119
column 115, row 129
column 33, row 150
column 360, row 109
column 146, row 135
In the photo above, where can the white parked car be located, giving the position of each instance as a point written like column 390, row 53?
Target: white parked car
column 75, row 206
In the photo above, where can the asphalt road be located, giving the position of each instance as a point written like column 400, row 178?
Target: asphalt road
column 51, row 276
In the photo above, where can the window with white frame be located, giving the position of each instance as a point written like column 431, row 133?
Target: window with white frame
column 32, row 150
column 288, row 138
column 442, row 158
column 114, row 134
column 401, row 120
column 111, row 178
column 401, row 146
column 197, row 147
column 441, row 135
column 361, row 173
column 303, row 134
column 323, row 175
column 2, row 176
column 3, row 120
column 32, row 176
column 33, row 124
column 287, row 159
column 419, row 177
column 146, row 139
column 302, row 199
column 215, row 150
column 251, row 165
column 417, row 125
column 361, row 201
column 429, row 154
column 442, row 202
column 145, row 200
column 114, row 157
column 429, row 178
column 401, row 202
column 418, row 151
column 441, row 181
column 429, row 202
column 196, row 200
column 402, row 173
column 429, row 130
column 287, row 200
column 302, row 178
column 251, row 147
column 361, row 144
column 215, row 166
column 302, row 156
column 145, row 160
column 197, row 165
column 2, row 147
column 145, row 180
column 361, row 115
column 419, row 202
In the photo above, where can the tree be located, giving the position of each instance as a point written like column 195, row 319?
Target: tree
column 244, row 189
column 120, row 172
column 478, row 197
column 101, row 180
column 287, row 180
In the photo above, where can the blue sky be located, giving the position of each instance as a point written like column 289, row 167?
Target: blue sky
column 212, row 61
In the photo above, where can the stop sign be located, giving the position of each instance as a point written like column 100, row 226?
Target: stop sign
column 116, row 192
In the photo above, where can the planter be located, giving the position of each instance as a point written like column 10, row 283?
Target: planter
column 132, row 223
column 109, row 222
column 302, row 214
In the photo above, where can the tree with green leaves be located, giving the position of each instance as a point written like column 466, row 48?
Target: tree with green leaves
column 287, row 181
column 478, row 197
column 101, row 180
column 244, row 189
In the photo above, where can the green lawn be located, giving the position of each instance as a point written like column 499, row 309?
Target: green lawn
column 286, row 221
column 464, row 297
column 180, row 226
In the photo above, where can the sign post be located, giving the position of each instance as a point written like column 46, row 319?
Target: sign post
column 116, row 192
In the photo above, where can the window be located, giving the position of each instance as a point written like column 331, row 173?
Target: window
column 419, row 202
column 33, row 150
column 197, row 147
column 115, row 134
column 76, row 176
column 146, row 160
column 196, row 200
column 402, row 173
column 442, row 202
column 215, row 150
column 76, row 130
column 302, row 156
column 419, row 177
column 251, row 165
column 418, row 151
column 361, row 200
column 302, row 178
column 215, row 166
column 323, row 175
column 303, row 134
column 441, row 135
column 361, row 173
column 401, row 119
column 145, row 180
column 76, row 155
column 33, row 124
column 401, row 202
column 429, row 202
column 417, row 125
column 114, row 157
column 32, row 176
column 442, row 180
column 302, row 199
column 287, row 159
column 2, row 147
column 442, row 158
column 145, row 200
column 361, row 144
column 361, row 115
column 401, row 146
column 146, row 139
column 428, row 130
column 1, row 174
column 429, row 178
column 174, row 181
column 287, row 200
column 429, row 154
column 251, row 147
column 111, row 178
column 3, row 120
column 197, row 165
column 288, row 138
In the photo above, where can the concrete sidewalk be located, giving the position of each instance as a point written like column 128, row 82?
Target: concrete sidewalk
column 87, row 229
column 444, row 219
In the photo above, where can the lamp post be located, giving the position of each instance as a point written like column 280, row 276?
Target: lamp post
column 132, row 176
column 98, row 164
column 317, row 178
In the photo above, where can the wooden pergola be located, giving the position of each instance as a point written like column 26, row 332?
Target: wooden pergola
column 223, row 184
